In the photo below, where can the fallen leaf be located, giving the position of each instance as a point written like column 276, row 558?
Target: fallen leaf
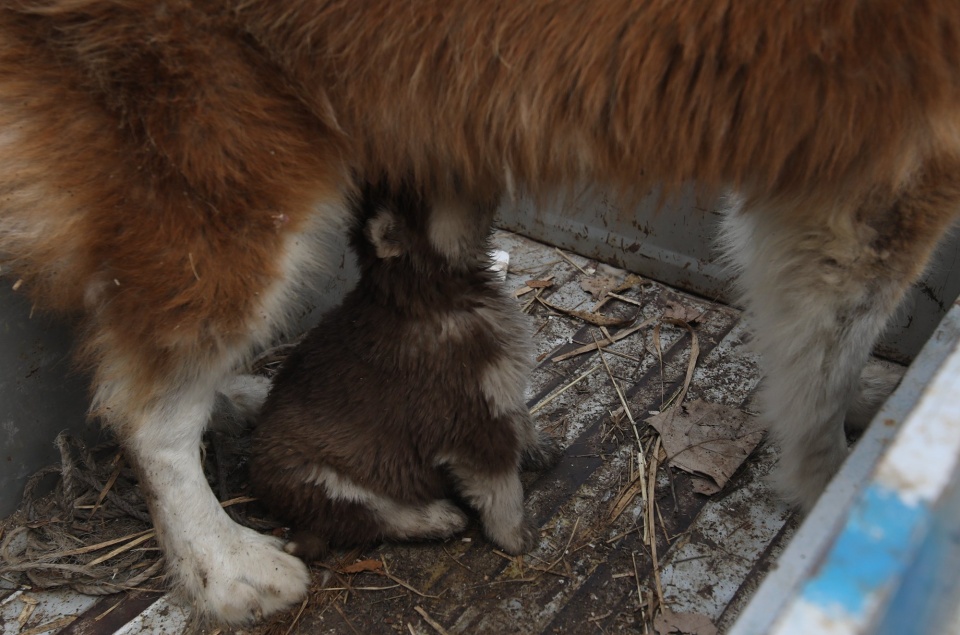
column 632, row 280
column 598, row 285
column 704, row 486
column 627, row 495
column 678, row 311
column 540, row 284
column 50, row 626
column 609, row 279
column 707, row 439
column 670, row 623
column 530, row 285
column 363, row 565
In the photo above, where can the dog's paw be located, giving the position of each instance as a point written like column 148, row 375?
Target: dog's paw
column 243, row 578
column 801, row 480
column 541, row 456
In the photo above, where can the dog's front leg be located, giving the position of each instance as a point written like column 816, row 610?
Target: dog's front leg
column 224, row 571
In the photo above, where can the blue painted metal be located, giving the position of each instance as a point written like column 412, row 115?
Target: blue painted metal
column 929, row 597
column 879, row 554
column 869, row 554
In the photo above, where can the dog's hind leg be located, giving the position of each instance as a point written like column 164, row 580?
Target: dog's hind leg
column 819, row 286
column 877, row 381
column 538, row 450
column 498, row 496
column 430, row 521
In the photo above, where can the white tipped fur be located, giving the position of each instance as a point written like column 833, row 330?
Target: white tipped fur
column 499, row 499
column 453, row 229
column 378, row 233
column 436, row 519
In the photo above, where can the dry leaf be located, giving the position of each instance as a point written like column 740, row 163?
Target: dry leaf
column 627, row 495
column 540, row 284
column 707, row 439
column 677, row 311
column 598, row 285
column 530, row 285
column 632, row 280
column 521, row 290
column 50, row 626
column 363, row 565
column 704, row 486
column 670, row 623
column 609, row 279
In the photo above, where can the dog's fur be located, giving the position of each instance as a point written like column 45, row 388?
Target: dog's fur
column 166, row 168
column 425, row 399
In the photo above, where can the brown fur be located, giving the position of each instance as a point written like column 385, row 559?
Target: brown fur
column 401, row 413
column 161, row 164
column 773, row 96
column 143, row 146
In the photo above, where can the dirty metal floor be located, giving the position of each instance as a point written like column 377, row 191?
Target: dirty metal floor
column 609, row 549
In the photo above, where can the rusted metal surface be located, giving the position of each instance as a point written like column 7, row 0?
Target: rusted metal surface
column 673, row 240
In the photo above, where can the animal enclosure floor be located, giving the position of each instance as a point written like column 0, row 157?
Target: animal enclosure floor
column 629, row 542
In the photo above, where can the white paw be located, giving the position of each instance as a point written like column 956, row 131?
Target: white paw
column 241, row 579
column 444, row 519
column 516, row 540
column 437, row 519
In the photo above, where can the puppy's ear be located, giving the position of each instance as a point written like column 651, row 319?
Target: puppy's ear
column 385, row 234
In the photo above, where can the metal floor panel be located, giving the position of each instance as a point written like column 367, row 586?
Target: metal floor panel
column 590, row 572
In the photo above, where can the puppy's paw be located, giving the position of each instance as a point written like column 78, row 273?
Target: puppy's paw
column 238, row 403
column 239, row 578
column 520, row 540
column 443, row 519
column 542, row 456
column 307, row 546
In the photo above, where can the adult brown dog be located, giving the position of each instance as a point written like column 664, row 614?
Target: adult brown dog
column 166, row 168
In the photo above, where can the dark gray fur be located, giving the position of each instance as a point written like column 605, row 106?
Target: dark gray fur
column 390, row 397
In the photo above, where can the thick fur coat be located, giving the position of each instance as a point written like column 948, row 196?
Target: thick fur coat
column 168, row 170
column 409, row 393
